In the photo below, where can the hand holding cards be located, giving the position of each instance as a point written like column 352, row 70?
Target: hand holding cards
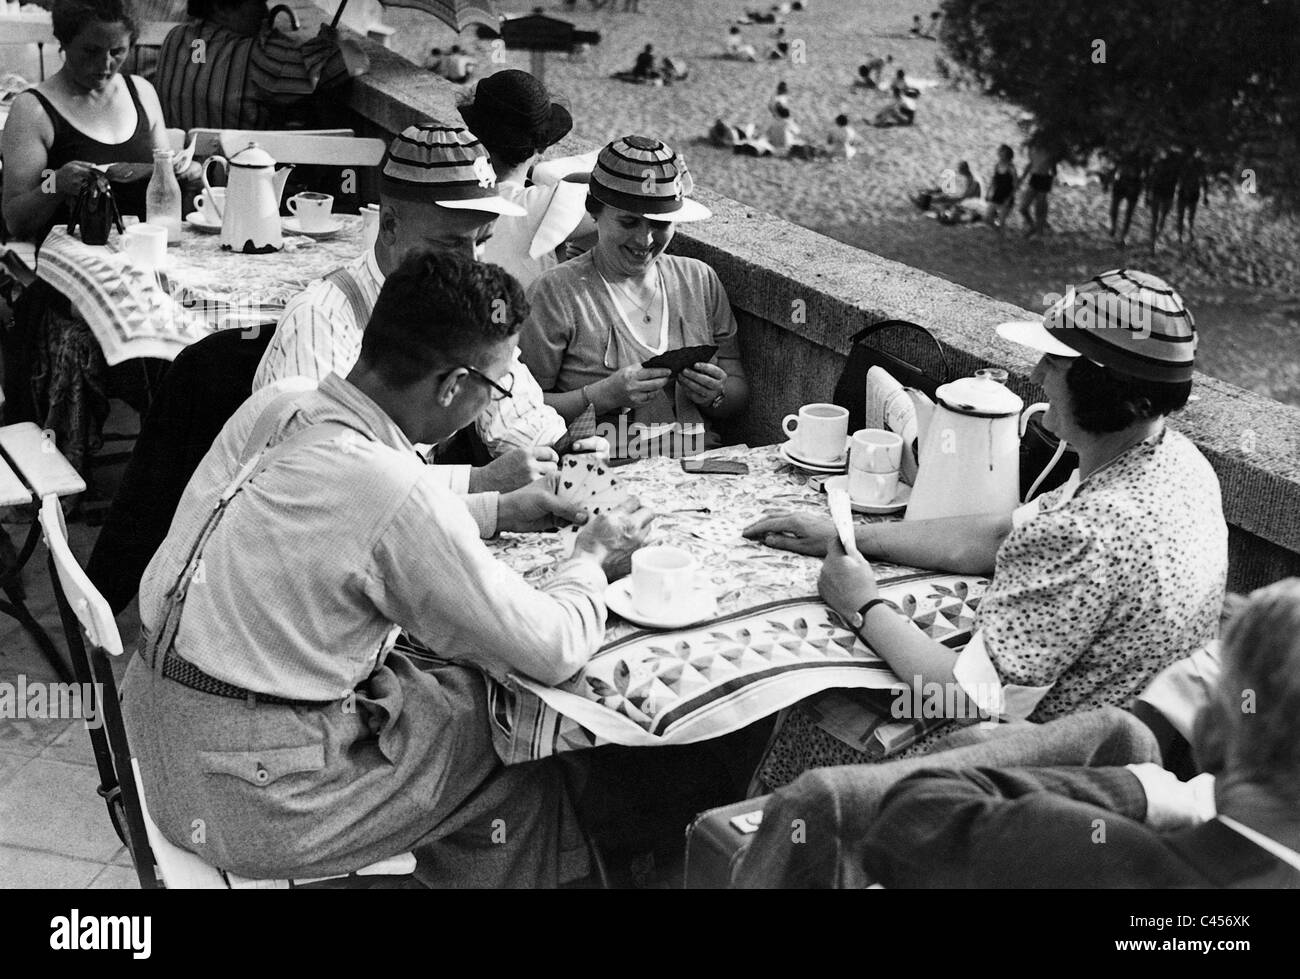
column 587, row 482
column 682, row 358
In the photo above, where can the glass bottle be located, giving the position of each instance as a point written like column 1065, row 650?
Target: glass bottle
column 162, row 201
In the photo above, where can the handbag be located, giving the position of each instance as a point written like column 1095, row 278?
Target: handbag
column 1045, row 463
column 910, row 353
column 95, row 209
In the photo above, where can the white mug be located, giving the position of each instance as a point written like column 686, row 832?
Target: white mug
column 818, row 432
column 872, row 489
column 663, row 580
column 876, row 450
column 312, row 210
column 145, row 245
column 212, row 204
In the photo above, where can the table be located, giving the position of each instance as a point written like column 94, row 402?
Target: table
column 772, row 643
column 136, row 313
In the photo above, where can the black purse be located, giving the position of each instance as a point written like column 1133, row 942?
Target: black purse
column 1038, row 448
column 908, row 351
column 95, row 210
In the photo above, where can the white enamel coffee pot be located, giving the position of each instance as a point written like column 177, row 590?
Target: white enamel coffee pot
column 251, row 222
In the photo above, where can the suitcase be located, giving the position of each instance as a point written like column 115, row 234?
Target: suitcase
column 716, row 839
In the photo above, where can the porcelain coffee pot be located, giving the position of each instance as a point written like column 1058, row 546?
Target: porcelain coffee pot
column 969, row 457
column 251, row 222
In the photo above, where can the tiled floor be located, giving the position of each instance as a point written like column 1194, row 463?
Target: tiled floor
column 54, row 828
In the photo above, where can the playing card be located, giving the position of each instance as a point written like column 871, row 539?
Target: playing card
column 583, row 427
column 683, row 357
column 586, row 480
column 842, row 515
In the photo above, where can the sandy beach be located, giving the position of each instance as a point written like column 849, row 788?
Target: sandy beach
column 1242, row 280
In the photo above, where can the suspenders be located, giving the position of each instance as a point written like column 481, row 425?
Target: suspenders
column 256, row 457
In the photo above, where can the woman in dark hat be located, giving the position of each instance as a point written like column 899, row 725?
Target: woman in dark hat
column 598, row 318
column 517, row 120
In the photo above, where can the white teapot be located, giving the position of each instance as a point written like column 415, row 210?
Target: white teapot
column 969, row 458
column 251, row 221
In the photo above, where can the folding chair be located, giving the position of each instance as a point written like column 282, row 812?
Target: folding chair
column 92, row 637
column 31, row 469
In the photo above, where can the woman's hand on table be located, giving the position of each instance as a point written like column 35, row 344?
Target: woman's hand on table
column 71, row 177
column 796, row 532
column 611, row 537
column 513, row 469
column 847, row 581
column 703, row 383
column 630, row 387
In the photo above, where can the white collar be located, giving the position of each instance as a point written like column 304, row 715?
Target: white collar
column 1283, row 853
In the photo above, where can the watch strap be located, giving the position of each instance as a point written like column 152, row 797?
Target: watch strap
column 867, row 607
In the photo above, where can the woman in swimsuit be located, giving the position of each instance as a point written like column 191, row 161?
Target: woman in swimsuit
column 1002, row 189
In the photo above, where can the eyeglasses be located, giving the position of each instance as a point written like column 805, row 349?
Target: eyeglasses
column 499, row 391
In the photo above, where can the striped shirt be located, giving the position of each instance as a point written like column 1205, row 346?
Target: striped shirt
column 319, row 333
column 232, row 82
column 320, row 557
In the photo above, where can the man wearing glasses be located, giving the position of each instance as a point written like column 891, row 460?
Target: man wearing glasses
column 278, row 733
column 437, row 189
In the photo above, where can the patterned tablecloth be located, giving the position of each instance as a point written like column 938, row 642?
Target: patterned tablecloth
column 772, row 643
column 134, row 313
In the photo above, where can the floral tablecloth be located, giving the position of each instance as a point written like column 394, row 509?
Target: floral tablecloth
column 134, row 313
column 772, row 643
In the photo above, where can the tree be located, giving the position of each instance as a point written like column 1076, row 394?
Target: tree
column 1119, row 75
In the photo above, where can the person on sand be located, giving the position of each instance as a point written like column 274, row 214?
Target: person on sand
column 645, row 64
column 1126, row 188
column 782, row 97
column 1162, row 183
column 738, row 49
column 871, row 74
column 780, row 47
column 1193, row 186
column 842, row 139
column 931, row 33
column 1040, row 172
column 903, row 110
column 674, row 70
column 1001, row 194
column 915, row 30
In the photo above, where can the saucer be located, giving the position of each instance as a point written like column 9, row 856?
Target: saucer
column 813, row 467
column 294, row 227
column 703, row 605
column 198, row 222
column 899, row 501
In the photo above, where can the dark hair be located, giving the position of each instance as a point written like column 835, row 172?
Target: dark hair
column 963, row 168
column 1005, row 149
column 203, row 9
column 782, row 88
column 841, row 120
column 1107, row 401
column 782, row 112
column 594, row 207
column 70, row 17
column 438, row 309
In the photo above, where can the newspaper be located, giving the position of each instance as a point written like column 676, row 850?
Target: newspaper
column 889, row 406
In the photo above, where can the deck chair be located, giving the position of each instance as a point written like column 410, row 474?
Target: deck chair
column 40, row 33
column 92, row 638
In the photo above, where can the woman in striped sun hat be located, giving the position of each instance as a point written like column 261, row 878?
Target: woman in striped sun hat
column 599, row 317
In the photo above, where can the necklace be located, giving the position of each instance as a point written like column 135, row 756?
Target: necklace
column 645, row 310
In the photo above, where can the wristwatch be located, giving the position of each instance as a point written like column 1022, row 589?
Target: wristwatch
column 859, row 618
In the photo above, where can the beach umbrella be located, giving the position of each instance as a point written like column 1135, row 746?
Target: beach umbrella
column 456, row 14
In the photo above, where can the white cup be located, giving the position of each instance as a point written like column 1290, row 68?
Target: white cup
column 872, row 489
column 145, row 245
column 212, row 204
column 313, row 211
column 818, row 432
column 876, row 450
column 663, row 580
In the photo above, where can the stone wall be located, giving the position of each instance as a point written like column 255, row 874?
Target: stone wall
column 799, row 297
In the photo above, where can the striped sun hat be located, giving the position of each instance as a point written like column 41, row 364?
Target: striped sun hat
column 644, row 176
column 1131, row 322
column 445, row 166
